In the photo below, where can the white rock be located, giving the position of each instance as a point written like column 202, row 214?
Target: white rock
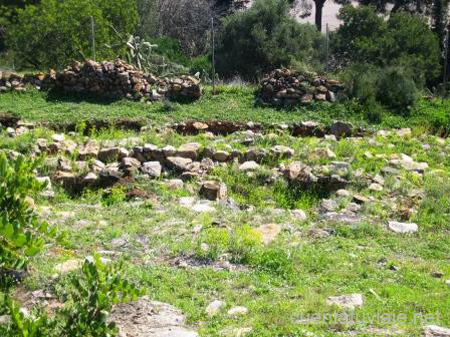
column 343, row 193
column 237, row 311
column 214, row 307
column 435, row 331
column 67, row 266
column 203, row 206
column 298, row 214
column 268, row 232
column 58, row 137
column 152, row 168
column 249, row 166
column 401, row 227
column 375, row 187
column 346, row 301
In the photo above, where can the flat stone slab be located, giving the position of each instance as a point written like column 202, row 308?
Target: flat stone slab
column 403, row 228
column 145, row 318
column 435, row 331
column 346, row 301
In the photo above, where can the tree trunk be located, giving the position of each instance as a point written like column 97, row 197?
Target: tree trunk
column 319, row 9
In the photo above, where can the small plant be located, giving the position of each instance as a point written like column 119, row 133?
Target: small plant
column 100, row 287
column 90, row 300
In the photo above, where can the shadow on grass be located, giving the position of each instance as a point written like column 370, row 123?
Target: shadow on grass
column 56, row 95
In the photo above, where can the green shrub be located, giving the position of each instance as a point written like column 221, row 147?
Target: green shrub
column 89, row 300
column 376, row 88
column 22, row 234
column 92, row 298
column 396, row 90
column 265, row 37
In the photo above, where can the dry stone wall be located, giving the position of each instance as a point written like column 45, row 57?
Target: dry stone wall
column 284, row 87
column 107, row 79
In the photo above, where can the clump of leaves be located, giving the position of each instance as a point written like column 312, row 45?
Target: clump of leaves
column 90, row 298
column 94, row 294
column 22, row 234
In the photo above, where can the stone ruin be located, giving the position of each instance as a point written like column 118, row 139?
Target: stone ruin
column 107, row 79
column 284, row 87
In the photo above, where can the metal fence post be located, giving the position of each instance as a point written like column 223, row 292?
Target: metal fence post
column 93, row 37
column 213, row 57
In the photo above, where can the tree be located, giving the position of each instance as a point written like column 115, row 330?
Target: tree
column 265, row 37
column 404, row 40
column 54, row 32
column 188, row 21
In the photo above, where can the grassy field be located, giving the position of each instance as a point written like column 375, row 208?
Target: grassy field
column 234, row 103
column 162, row 240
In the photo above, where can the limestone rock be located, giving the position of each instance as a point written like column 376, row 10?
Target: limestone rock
column 189, row 150
column 145, row 318
column 249, row 166
column 435, row 331
column 214, row 307
column 268, row 232
column 213, row 190
column 152, row 168
column 178, row 163
column 351, row 301
column 402, row 228
column 237, row 311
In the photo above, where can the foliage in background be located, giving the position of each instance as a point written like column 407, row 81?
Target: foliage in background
column 404, row 40
column 265, row 37
column 393, row 88
column 22, row 234
column 54, row 33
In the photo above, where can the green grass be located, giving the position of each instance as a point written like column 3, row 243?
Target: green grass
column 234, row 103
column 297, row 271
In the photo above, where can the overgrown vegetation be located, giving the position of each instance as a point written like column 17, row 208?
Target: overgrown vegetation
column 89, row 298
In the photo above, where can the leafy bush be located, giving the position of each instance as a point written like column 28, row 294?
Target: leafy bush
column 265, row 37
column 93, row 296
column 396, row 90
column 53, row 33
column 404, row 40
column 90, row 299
column 393, row 88
column 22, row 234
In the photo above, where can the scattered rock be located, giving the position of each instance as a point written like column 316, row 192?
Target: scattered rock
column 145, row 318
column 401, row 227
column 249, row 166
column 298, row 214
column 189, row 150
column 214, row 307
column 213, row 190
column 375, row 187
column 179, row 163
column 435, row 331
column 152, row 168
column 67, row 266
column 203, row 206
column 90, row 150
column 282, row 151
column 175, row 184
column 237, row 311
column 346, row 301
column 268, row 232
column 221, row 156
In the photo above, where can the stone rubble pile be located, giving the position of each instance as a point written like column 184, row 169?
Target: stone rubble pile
column 285, row 87
column 108, row 79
